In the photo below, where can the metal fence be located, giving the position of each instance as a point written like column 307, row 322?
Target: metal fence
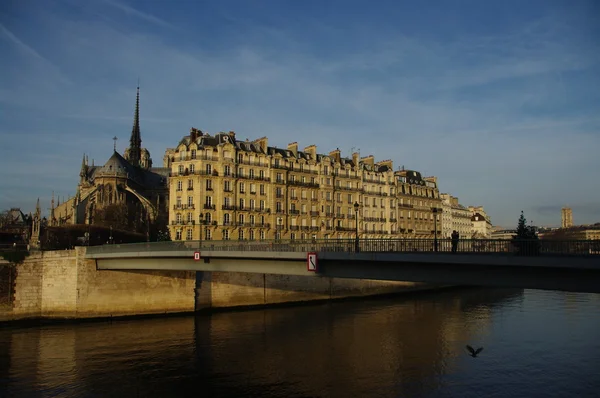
column 441, row 246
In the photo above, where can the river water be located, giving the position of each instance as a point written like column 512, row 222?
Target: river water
column 536, row 344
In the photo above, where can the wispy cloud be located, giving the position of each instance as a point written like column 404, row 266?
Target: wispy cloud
column 22, row 46
column 139, row 14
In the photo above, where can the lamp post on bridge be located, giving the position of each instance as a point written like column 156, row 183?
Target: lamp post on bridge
column 201, row 220
column 435, row 211
column 356, row 241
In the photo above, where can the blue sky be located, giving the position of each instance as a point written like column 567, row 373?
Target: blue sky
column 498, row 99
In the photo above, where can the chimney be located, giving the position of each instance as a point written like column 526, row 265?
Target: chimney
column 293, row 147
column 370, row 160
column 355, row 158
column 263, row 143
column 389, row 163
column 312, row 151
column 335, row 155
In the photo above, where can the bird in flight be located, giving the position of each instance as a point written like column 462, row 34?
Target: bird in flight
column 474, row 352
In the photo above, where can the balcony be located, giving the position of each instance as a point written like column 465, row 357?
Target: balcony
column 209, row 207
column 346, row 229
column 314, row 213
column 303, row 184
column 294, row 211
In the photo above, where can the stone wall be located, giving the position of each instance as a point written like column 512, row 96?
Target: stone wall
column 63, row 284
column 229, row 289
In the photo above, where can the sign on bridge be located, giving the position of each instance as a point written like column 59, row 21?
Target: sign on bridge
column 196, row 256
column 312, row 261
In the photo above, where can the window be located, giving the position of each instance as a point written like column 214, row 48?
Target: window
column 278, row 207
column 179, row 201
column 190, row 201
column 189, row 235
column 279, row 177
column 251, row 173
column 262, row 234
column 180, row 185
column 209, row 201
column 190, row 217
column 227, row 170
column 240, row 158
column 226, row 219
column 262, row 205
column 241, row 204
column 241, row 234
column 252, row 203
column 251, row 234
column 182, row 155
column 178, row 218
column 208, row 169
column 326, row 170
column 178, row 234
column 207, row 234
column 261, row 173
column 209, row 185
column 262, row 189
column 227, row 186
column 225, row 234
column 180, row 169
column 192, row 168
column 242, row 187
column 190, row 185
column 193, row 154
column 241, row 219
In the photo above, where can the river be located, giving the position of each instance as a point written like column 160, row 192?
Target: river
column 536, row 344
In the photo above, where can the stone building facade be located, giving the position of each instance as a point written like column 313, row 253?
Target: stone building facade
column 455, row 217
column 222, row 188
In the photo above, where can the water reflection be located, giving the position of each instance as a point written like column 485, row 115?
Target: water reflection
column 410, row 346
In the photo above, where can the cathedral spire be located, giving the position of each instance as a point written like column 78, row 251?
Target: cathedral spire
column 135, row 142
column 83, row 172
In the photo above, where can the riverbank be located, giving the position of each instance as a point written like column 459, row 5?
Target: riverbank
column 64, row 285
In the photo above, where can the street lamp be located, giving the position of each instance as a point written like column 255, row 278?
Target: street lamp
column 356, row 241
column 279, row 222
column 201, row 219
column 435, row 243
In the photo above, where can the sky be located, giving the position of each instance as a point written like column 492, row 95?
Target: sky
column 498, row 99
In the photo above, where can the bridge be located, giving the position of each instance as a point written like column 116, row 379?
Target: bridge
column 545, row 264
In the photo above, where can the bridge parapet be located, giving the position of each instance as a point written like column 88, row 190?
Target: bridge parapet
column 496, row 247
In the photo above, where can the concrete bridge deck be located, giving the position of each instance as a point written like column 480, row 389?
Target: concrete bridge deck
column 575, row 267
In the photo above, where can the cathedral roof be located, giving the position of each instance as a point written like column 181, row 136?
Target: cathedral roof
column 117, row 164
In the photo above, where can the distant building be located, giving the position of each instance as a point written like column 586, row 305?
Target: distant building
column 566, row 219
column 503, row 234
column 481, row 224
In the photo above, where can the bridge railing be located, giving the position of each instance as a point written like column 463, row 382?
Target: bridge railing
column 442, row 246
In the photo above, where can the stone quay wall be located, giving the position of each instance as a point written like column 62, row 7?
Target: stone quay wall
column 63, row 285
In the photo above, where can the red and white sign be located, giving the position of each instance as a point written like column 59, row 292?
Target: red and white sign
column 312, row 263
column 196, row 256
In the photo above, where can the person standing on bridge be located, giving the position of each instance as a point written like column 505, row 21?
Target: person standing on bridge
column 455, row 236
